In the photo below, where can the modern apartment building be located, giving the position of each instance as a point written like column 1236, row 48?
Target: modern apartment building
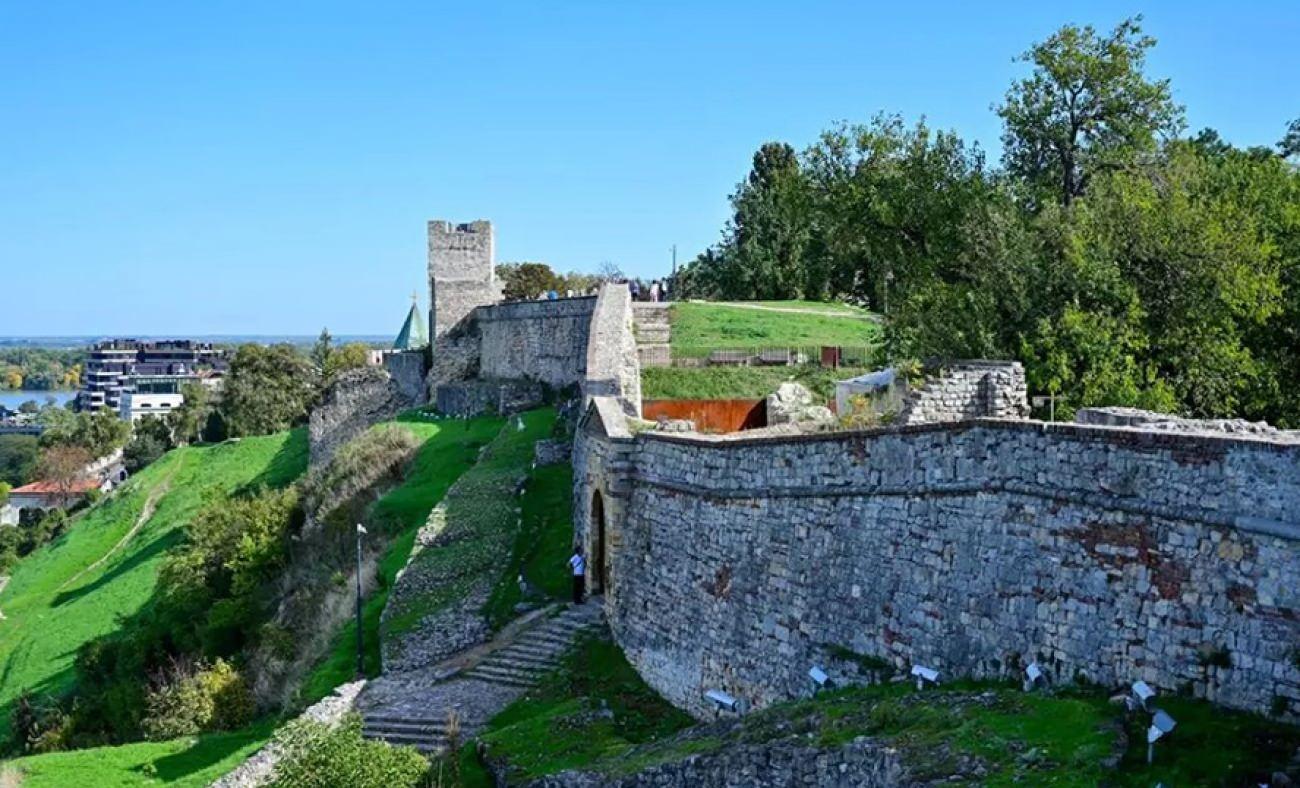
column 118, row 367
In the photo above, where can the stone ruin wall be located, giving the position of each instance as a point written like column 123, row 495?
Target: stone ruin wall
column 355, row 401
column 968, row 390
column 974, row 547
column 407, row 370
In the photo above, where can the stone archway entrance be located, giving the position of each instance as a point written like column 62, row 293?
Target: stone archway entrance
column 599, row 569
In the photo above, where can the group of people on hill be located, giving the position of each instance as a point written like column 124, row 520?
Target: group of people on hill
column 656, row 291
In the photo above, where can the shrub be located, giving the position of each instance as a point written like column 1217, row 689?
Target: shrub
column 151, row 438
column 39, row 726
column 357, row 466
column 317, row 756
column 191, row 699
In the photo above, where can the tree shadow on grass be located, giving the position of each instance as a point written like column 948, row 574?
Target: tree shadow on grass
column 206, row 751
column 138, row 558
column 289, row 462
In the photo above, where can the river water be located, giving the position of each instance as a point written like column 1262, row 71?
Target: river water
column 12, row 399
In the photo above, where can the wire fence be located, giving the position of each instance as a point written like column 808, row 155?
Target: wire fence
column 856, row 356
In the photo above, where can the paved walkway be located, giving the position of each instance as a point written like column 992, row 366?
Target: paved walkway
column 799, row 310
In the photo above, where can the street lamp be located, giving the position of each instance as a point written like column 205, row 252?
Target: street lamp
column 361, row 653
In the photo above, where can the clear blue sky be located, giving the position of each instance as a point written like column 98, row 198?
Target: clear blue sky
column 269, row 167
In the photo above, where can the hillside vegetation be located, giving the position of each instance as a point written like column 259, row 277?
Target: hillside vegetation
column 188, row 762
column 105, row 566
column 448, row 449
column 596, row 715
column 477, row 524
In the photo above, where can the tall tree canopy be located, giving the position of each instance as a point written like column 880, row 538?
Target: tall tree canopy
column 1122, row 264
column 1086, row 106
column 267, row 389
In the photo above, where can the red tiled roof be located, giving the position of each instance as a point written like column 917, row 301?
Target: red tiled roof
column 52, row 488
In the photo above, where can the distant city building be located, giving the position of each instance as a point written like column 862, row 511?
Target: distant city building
column 136, row 404
column 120, row 367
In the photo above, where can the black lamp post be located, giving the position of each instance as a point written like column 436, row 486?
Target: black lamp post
column 361, row 653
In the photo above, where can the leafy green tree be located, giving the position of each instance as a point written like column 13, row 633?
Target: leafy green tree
column 151, row 438
column 1086, row 107
column 267, row 389
column 1204, row 271
column 187, row 420
column 766, row 250
column 524, row 281
column 894, row 207
column 353, row 355
column 99, row 432
column 18, row 458
column 1290, row 144
column 64, row 466
column 219, row 580
column 320, row 352
column 5, row 487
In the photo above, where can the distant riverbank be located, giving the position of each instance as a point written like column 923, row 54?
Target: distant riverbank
column 12, row 399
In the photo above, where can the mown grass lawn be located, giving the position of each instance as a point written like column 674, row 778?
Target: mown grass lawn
column 183, row 763
column 449, row 449
column 56, row 601
column 738, row 382
column 699, row 328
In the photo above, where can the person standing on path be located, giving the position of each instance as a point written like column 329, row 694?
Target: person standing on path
column 579, row 565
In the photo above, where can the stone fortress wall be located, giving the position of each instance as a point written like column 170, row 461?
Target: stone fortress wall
column 481, row 345
column 974, row 547
column 545, row 341
column 462, row 272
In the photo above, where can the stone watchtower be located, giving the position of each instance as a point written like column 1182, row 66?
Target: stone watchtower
column 462, row 272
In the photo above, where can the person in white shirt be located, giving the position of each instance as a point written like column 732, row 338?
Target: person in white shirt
column 579, row 565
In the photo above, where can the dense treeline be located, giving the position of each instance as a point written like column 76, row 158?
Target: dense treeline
column 1123, row 261
column 43, row 369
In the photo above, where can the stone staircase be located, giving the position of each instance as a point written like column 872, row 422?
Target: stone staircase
column 412, row 708
column 536, row 651
column 653, row 332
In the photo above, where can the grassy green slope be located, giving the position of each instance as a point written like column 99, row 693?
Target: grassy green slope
column 481, row 526
column 701, row 327
column 542, row 546
column 61, row 598
column 1064, row 737
column 182, row 763
column 449, row 449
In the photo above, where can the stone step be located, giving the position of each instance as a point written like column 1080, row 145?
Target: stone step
column 504, row 680
column 652, row 335
column 414, row 728
column 521, row 668
column 425, row 744
column 502, row 671
column 555, row 643
column 381, row 720
column 542, row 662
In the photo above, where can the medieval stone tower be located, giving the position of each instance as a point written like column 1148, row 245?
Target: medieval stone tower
column 462, row 272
